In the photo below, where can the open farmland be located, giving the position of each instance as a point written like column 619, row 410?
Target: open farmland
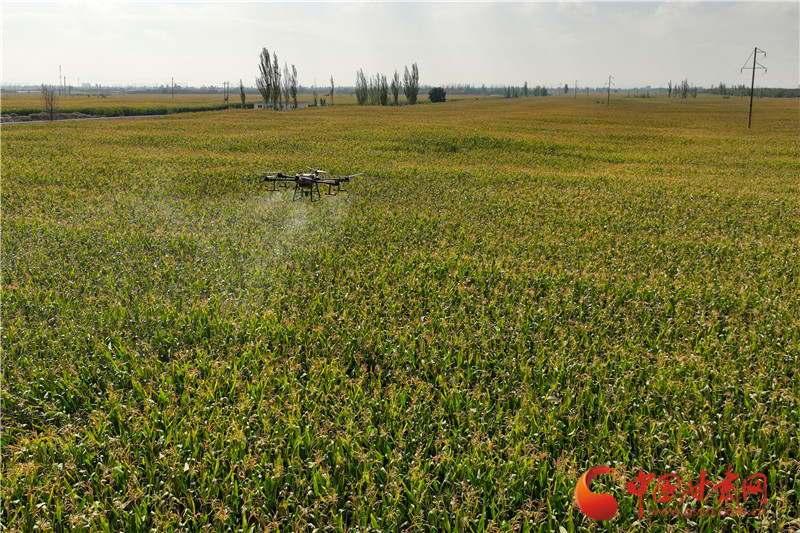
column 115, row 104
column 513, row 292
column 16, row 105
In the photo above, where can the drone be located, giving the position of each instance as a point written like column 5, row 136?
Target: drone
column 307, row 183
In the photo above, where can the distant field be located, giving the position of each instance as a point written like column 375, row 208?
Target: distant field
column 18, row 100
column 513, row 292
column 112, row 104
column 119, row 104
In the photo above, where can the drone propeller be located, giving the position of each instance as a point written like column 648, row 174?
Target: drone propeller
column 317, row 171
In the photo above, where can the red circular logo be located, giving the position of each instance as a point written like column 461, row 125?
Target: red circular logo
column 595, row 506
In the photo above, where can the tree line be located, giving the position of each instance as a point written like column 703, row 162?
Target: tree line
column 516, row 92
column 277, row 89
column 743, row 90
column 682, row 90
column 375, row 89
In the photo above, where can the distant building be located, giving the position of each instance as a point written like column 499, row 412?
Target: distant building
column 285, row 107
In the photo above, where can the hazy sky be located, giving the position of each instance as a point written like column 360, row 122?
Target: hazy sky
column 208, row 43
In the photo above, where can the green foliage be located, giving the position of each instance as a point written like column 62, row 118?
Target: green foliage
column 539, row 91
column 264, row 81
column 411, row 84
column 268, row 81
column 512, row 293
column 293, row 87
column 383, row 89
column 362, row 88
column 684, row 88
column 372, row 92
column 395, row 88
column 437, row 94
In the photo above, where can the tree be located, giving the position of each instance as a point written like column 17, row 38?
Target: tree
column 669, row 89
column 395, row 86
column 286, row 85
column 332, row 88
column 269, row 80
column 50, row 99
column 276, row 82
column 242, row 97
column 437, row 94
column 383, row 90
column 411, row 82
column 362, row 89
column 264, row 80
column 525, row 89
column 566, row 88
column 374, row 89
column 293, row 87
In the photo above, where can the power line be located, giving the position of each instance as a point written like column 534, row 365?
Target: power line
column 756, row 66
column 609, row 90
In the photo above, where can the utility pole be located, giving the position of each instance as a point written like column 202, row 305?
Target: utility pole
column 756, row 66
column 608, row 102
column 173, row 88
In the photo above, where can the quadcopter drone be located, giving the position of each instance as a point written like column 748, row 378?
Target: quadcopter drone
column 307, row 183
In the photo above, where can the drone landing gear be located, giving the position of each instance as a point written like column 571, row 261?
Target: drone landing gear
column 334, row 192
column 306, row 190
column 275, row 185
